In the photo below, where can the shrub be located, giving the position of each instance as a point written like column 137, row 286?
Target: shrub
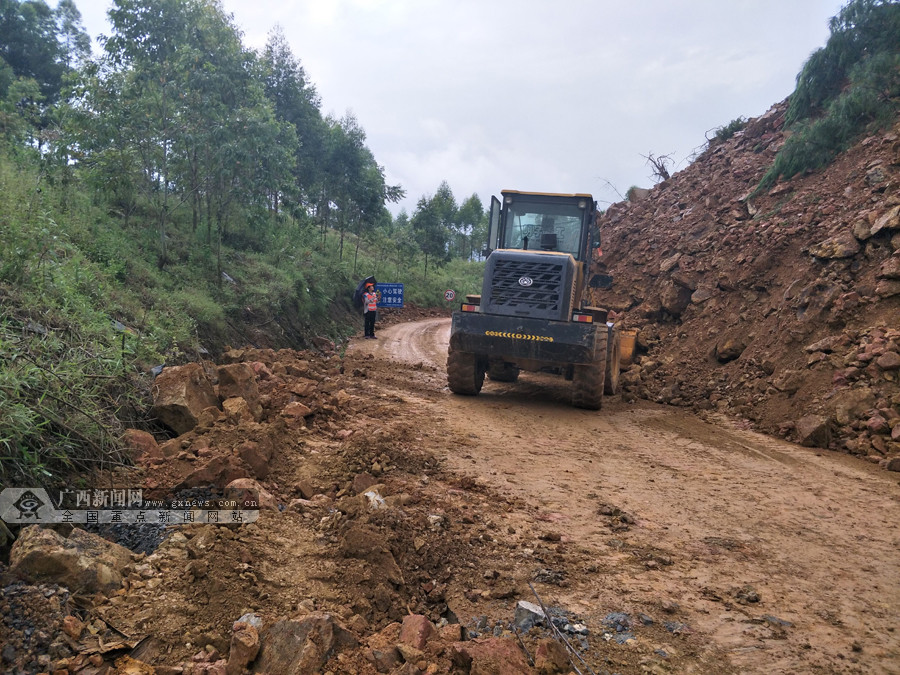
column 722, row 134
column 848, row 87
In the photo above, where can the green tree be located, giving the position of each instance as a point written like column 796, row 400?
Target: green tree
column 862, row 29
column 30, row 45
column 470, row 228
column 192, row 115
column 75, row 42
column 850, row 85
column 297, row 103
column 432, row 223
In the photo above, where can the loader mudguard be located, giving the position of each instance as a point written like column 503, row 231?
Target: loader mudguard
column 559, row 342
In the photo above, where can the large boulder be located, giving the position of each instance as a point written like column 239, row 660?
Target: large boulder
column 181, row 394
column 83, row 562
column 674, row 298
column 300, row 647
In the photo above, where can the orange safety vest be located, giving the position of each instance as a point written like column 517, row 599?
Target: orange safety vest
column 370, row 300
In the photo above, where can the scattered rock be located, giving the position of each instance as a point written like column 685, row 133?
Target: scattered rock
column 257, row 456
column 244, row 648
column 416, row 631
column 890, row 220
column 888, row 361
column 181, row 393
column 813, row 431
column 83, row 562
column 237, row 410
column 238, row 380
column 730, row 348
column 498, row 656
column 247, row 491
column 527, row 615
column 141, row 446
column 301, row 647
column 844, row 245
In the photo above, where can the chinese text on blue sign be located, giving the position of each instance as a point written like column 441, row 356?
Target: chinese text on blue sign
column 389, row 295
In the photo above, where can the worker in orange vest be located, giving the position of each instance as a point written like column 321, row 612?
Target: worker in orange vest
column 370, row 306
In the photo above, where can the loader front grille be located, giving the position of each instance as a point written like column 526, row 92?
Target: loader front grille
column 547, row 297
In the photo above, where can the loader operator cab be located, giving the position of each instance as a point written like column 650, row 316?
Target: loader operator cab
column 543, row 222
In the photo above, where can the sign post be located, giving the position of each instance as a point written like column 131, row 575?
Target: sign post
column 449, row 294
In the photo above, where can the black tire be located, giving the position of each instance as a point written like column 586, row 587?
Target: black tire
column 503, row 372
column 464, row 374
column 613, row 352
column 588, row 380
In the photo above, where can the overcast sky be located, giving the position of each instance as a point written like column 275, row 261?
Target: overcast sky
column 561, row 96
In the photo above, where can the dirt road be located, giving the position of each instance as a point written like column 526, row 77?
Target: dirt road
column 773, row 558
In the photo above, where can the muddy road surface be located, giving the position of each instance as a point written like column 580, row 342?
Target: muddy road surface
column 730, row 551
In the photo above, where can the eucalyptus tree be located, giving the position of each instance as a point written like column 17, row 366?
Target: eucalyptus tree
column 432, row 222
column 75, row 42
column 469, row 225
column 297, row 103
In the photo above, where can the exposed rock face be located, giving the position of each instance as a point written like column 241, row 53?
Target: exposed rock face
column 83, row 562
column 180, row 394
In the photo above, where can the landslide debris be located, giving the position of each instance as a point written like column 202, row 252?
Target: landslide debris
column 367, row 557
column 782, row 308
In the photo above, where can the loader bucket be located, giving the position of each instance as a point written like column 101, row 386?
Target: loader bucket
column 627, row 339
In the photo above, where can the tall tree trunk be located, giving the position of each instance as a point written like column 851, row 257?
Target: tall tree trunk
column 218, row 248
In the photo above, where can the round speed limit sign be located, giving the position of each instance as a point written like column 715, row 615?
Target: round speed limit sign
column 449, row 294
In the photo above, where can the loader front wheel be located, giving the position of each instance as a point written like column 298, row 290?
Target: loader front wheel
column 465, row 375
column 589, row 380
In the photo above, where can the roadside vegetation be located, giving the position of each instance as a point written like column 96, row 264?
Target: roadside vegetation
column 172, row 194
column 847, row 88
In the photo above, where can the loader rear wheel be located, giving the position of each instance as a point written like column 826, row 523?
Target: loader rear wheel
column 464, row 373
column 503, row 372
column 613, row 353
column 588, row 381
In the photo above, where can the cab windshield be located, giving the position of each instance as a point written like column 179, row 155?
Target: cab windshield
column 543, row 227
